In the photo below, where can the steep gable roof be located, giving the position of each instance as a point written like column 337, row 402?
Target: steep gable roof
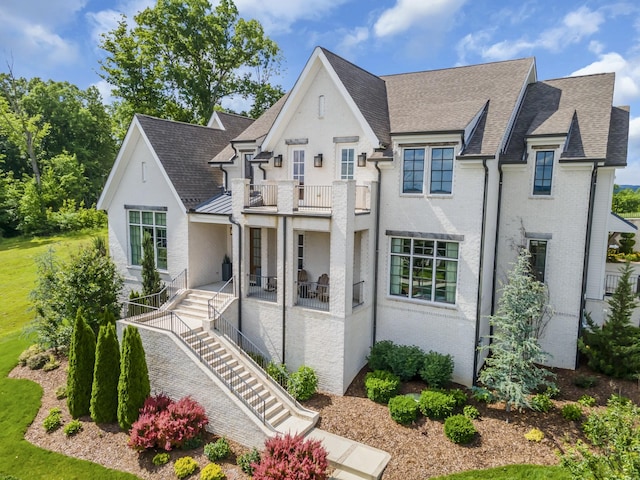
column 576, row 107
column 449, row 100
column 184, row 149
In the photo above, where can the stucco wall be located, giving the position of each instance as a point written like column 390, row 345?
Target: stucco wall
column 208, row 245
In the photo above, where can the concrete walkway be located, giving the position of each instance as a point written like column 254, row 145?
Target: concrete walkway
column 352, row 460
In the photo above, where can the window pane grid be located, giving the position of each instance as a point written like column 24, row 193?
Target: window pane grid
column 413, row 170
column 153, row 223
column 543, row 173
column 441, row 170
column 538, row 251
column 424, row 269
column 347, row 164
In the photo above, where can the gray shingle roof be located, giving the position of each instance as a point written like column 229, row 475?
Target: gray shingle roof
column 184, row 150
column 449, row 99
column 579, row 107
column 618, row 137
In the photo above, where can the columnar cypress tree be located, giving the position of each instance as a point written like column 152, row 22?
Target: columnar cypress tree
column 81, row 362
column 104, row 395
column 511, row 370
column 133, row 385
column 150, row 277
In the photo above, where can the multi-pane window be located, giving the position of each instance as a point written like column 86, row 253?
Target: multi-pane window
column 347, row 163
column 538, row 251
column 424, row 269
column 153, row 223
column 544, row 173
column 441, row 170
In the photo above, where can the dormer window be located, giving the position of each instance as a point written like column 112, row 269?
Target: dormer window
column 543, row 172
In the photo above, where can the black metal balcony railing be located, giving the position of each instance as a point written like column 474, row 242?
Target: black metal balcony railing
column 264, row 288
column 611, row 283
column 358, row 294
column 313, row 295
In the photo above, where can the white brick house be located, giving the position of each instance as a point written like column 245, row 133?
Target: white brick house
column 411, row 192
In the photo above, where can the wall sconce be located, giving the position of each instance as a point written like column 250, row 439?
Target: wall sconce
column 362, row 160
column 317, row 160
column 277, row 161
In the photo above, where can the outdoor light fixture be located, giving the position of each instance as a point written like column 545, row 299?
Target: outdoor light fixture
column 277, row 161
column 362, row 159
column 317, row 160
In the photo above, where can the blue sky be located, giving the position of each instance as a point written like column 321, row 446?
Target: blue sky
column 58, row 39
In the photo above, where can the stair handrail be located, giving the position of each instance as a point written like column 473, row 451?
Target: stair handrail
column 183, row 332
column 210, row 301
column 164, row 296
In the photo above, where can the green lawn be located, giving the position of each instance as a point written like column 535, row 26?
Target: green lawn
column 512, row 472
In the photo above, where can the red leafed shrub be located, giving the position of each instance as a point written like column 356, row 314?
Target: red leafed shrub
column 292, row 458
column 166, row 424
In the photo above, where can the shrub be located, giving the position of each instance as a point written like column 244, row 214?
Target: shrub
column 192, row 443
column 381, row 385
column 133, row 383
column 534, row 435
column 377, row 358
column 246, row 461
column 587, row 401
column 218, row 450
column 541, row 402
column 37, row 361
column 470, row 412
column 437, row 369
column 403, row 409
column 552, row 391
column 283, row 455
column 167, row 425
column 61, row 392
column 213, row 471
column 53, row 421
column 104, row 393
column 585, row 381
column 161, row 459
column 278, row 371
column 73, row 427
column 29, row 352
column 436, row 405
column 303, row 383
column 572, row 411
column 81, row 361
column 185, row 466
column 480, row 394
column 52, row 364
column 459, row 396
column 405, row 361
column 459, row 429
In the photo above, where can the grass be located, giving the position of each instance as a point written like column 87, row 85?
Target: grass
column 512, row 472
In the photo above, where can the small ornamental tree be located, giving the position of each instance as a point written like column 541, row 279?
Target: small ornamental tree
column 627, row 241
column 150, row 277
column 511, row 371
column 104, row 395
column 292, row 458
column 81, row 363
column 614, row 347
column 133, row 384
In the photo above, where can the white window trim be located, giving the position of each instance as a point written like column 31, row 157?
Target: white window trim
column 339, row 149
column 426, row 174
column 130, row 264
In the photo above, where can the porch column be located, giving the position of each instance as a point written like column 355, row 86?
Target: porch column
column 343, row 203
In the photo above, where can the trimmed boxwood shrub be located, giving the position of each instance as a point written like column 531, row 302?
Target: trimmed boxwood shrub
column 218, row 450
column 381, row 386
column 459, row 429
column 73, row 427
column 405, row 361
column 437, row 369
column 436, row 404
column 377, row 358
column 161, row 459
column 470, row 412
column 303, row 383
column 185, row 466
column 403, row 409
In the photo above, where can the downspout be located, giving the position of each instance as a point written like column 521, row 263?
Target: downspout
column 495, row 249
column 480, row 268
column 233, row 220
column 225, row 174
column 587, row 245
column 376, row 256
column 284, row 285
column 264, row 172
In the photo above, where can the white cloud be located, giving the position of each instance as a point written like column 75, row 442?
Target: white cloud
column 104, row 21
column 407, row 13
column 277, row 17
column 105, row 90
column 575, row 26
column 627, row 73
column 353, row 38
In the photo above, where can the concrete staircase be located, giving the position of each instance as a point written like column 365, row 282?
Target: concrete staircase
column 193, row 307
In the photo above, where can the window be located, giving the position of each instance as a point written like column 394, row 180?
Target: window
column 441, row 170
column 248, row 167
column 155, row 224
column 543, row 173
column 424, row 269
column 538, row 251
column 300, row 251
column 347, row 163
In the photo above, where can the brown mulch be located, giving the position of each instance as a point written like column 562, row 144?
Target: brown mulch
column 417, row 451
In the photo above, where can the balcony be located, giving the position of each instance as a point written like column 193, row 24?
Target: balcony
column 264, row 288
column 290, row 197
column 611, row 282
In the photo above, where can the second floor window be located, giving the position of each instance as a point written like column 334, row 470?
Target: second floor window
column 543, row 173
column 440, row 170
column 347, row 163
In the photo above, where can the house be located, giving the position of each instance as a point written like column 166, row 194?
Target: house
column 361, row 208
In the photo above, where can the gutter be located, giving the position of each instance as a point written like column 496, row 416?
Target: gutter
column 284, row 290
column 480, row 273
column 495, row 249
column 587, row 245
column 376, row 256
column 235, row 222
